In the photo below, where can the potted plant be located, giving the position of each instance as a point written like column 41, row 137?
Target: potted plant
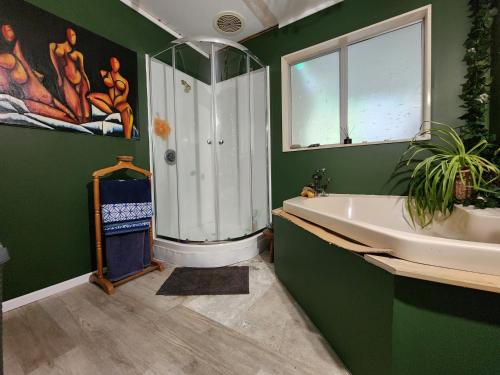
column 319, row 185
column 449, row 173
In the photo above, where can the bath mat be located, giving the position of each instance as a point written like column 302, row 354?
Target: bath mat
column 190, row 281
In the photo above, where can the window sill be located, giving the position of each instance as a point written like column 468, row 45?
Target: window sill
column 341, row 145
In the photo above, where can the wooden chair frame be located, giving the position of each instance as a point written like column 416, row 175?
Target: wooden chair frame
column 124, row 162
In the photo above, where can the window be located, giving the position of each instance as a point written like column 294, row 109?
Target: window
column 315, row 103
column 369, row 86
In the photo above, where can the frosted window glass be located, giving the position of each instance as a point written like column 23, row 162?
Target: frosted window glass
column 385, row 86
column 315, row 101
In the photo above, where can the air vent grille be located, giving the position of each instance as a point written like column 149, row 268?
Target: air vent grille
column 228, row 23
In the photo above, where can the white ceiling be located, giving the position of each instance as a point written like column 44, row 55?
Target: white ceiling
column 192, row 18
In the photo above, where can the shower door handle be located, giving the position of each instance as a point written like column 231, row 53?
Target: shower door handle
column 221, row 141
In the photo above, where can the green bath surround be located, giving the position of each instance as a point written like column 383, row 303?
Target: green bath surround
column 381, row 324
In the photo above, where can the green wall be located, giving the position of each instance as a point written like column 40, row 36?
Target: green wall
column 44, row 216
column 360, row 169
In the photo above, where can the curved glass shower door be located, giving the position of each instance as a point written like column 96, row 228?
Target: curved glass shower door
column 193, row 96
column 210, row 171
column 233, row 135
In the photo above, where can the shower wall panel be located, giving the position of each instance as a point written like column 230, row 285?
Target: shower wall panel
column 233, row 127
column 165, row 177
column 194, row 159
column 184, row 189
column 260, row 183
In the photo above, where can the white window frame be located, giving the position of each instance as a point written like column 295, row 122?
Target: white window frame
column 340, row 44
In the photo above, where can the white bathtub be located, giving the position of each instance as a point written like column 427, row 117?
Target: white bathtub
column 468, row 240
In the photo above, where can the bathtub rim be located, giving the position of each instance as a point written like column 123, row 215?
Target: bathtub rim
column 400, row 234
column 471, row 256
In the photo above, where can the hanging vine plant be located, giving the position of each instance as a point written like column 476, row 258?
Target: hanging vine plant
column 476, row 89
column 476, row 93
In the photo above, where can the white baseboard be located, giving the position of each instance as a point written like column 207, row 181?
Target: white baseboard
column 37, row 295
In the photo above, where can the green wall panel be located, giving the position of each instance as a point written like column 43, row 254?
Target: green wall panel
column 383, row 324
column 349, row 300
column 44, row 211
column 441, row 329
column 360, row 169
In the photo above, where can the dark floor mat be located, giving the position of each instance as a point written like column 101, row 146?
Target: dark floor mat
column 189, row 281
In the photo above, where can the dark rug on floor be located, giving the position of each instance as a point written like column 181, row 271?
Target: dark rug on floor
column 190, row 281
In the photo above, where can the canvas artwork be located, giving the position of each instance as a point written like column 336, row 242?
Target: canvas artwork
column 58, row 76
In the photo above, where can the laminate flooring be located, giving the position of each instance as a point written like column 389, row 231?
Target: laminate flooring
column 84, row 331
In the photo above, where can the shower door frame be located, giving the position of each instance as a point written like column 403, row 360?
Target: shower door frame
column 156, row 237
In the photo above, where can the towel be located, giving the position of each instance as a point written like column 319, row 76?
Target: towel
column 126, row 213
column 125, row 206
column 127, row 254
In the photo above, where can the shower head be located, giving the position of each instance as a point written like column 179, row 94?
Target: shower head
column 187, row 86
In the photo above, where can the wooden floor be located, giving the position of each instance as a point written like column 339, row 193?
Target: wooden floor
column 84, row 331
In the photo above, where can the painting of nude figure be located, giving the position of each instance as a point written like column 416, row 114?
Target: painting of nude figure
column 56, row 75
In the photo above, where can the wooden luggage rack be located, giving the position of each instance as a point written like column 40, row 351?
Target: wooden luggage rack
column 124, row 162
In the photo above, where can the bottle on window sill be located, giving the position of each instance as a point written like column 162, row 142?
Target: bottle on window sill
column 347, row 141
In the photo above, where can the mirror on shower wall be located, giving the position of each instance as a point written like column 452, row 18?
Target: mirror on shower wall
column 214, row 100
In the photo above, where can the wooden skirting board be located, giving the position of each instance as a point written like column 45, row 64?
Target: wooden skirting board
column 400, row 267
column 382, row 258
column 328, row 236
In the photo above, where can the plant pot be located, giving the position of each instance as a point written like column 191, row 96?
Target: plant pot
column 347, row 141
column 463, row 185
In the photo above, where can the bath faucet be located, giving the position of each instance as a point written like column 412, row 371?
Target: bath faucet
column 320, row 181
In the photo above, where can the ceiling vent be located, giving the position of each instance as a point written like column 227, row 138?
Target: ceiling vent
column 228, row 23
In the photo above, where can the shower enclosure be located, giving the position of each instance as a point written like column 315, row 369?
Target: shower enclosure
column 209, row 151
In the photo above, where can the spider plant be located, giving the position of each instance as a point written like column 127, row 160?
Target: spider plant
column 432, row 181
